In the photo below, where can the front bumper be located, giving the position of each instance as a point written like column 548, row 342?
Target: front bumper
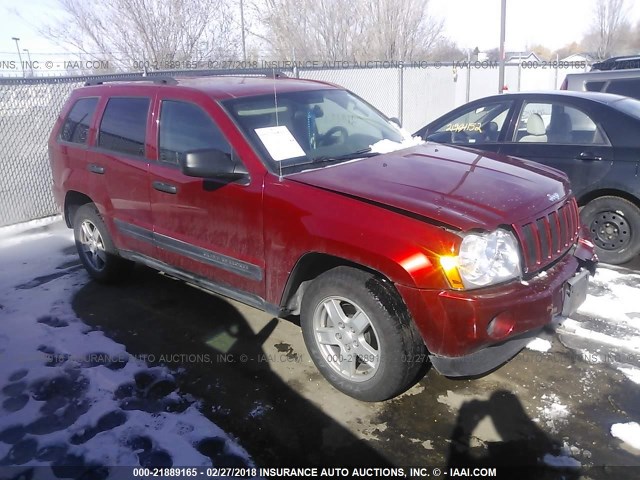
column 459, row 328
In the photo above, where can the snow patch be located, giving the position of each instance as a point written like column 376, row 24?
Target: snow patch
column 75, row 395
column 388, row 146
column 629, row 433
column 539, row 345
column 632, row 373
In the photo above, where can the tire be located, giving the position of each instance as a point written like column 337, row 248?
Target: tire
column 360, row 335
column 95, row 247
column 614, row 224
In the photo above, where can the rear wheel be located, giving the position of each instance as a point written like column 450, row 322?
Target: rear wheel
column 359, row 334
column 95, row 247
column 614, row 224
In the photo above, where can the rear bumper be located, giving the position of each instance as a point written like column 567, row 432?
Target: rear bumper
column 455, row 325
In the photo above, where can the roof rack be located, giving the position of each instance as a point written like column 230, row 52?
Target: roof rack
column 167, row 77
column 164, row 80
column 618, row 63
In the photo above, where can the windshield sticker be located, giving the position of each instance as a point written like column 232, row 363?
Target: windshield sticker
column 279, row 142
column 464, row 127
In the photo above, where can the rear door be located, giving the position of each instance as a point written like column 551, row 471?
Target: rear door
column 119, row 162
column 563, row 135
column 213, row 229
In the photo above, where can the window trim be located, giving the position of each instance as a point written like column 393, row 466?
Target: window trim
column 101, row 149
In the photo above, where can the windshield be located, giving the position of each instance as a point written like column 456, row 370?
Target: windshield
column 629, row 106
column 301, row 129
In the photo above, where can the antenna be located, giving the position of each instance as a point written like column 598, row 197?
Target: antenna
column 275, row 101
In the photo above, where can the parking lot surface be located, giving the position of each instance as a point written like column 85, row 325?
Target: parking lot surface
column 237, row 387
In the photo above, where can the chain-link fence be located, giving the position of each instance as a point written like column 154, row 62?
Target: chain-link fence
column 30, row 106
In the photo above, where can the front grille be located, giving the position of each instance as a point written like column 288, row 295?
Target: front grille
column 547, row 238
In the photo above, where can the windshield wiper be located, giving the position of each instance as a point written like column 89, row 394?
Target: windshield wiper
column 363, row 152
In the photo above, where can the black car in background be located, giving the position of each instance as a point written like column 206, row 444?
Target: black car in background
column 593, row 137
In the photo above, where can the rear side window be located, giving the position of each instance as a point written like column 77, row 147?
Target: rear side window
column 185, row 127
column 76, row 126
column 124, row 124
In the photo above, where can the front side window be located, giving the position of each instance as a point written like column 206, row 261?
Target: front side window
column 76, row 126
column 185, row 127
column 293, row 129
column 477, row 125
column 124, row 125
column 557, row 123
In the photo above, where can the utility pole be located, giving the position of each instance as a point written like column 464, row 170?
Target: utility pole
column 503, row 22
column 244, row 47
column 16, row 39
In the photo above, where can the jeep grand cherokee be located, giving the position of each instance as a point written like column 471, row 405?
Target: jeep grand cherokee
column 299, row 198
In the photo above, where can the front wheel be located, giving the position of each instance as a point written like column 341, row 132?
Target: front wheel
column 614, row 224
column 95, row 247
column 360, row 335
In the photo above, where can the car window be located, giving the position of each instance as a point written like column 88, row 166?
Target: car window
column 476, row 125
column 185, row 127
column 627, row 87
column 124, row 124
column 76, row 126
column 556, row 123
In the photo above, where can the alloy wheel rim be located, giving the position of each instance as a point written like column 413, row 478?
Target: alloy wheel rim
column 92, row 245
column 346, row 338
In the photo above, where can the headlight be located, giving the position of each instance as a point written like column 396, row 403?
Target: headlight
column 483, row 259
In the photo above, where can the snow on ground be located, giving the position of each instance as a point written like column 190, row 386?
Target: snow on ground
column 628, row 433
column 539, row 345
column 73, row 397
column 552, row 413
column 606, row 330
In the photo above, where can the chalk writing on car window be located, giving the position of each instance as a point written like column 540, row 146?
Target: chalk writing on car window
column 464, row 127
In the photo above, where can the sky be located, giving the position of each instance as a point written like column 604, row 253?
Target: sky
column 552, row 23
column 471, row 23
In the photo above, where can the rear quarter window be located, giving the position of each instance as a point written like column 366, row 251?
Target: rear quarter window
column 75, row 128
column 124, row 125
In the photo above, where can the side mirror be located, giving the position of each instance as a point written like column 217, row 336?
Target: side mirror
column 211, row 164
column 396, row 120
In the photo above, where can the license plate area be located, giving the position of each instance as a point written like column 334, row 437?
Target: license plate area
column 575, row 293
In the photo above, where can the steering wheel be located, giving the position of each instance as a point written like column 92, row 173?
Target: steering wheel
column 331, row 137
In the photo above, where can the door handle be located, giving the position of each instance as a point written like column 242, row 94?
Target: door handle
column 590, row 156
column 165, row 187
column 93, row 168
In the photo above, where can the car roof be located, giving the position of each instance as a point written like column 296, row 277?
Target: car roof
column 604, row 98
column 224, row 87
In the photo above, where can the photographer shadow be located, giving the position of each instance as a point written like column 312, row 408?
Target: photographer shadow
column 522, row 445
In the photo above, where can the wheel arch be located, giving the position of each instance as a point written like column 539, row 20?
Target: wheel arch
column 72, row 201
column 607, row 192
column 310, row 266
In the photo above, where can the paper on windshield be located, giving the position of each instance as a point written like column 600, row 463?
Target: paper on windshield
column 279, row 142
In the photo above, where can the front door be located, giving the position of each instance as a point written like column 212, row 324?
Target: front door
column 209, row 228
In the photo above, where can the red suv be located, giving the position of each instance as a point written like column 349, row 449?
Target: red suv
column 299, row 198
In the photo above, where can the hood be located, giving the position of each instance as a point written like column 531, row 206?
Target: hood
column 462, row 188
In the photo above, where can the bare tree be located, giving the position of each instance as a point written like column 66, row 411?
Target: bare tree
column 610, row 29
column 363, row 30
column 128, row 32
